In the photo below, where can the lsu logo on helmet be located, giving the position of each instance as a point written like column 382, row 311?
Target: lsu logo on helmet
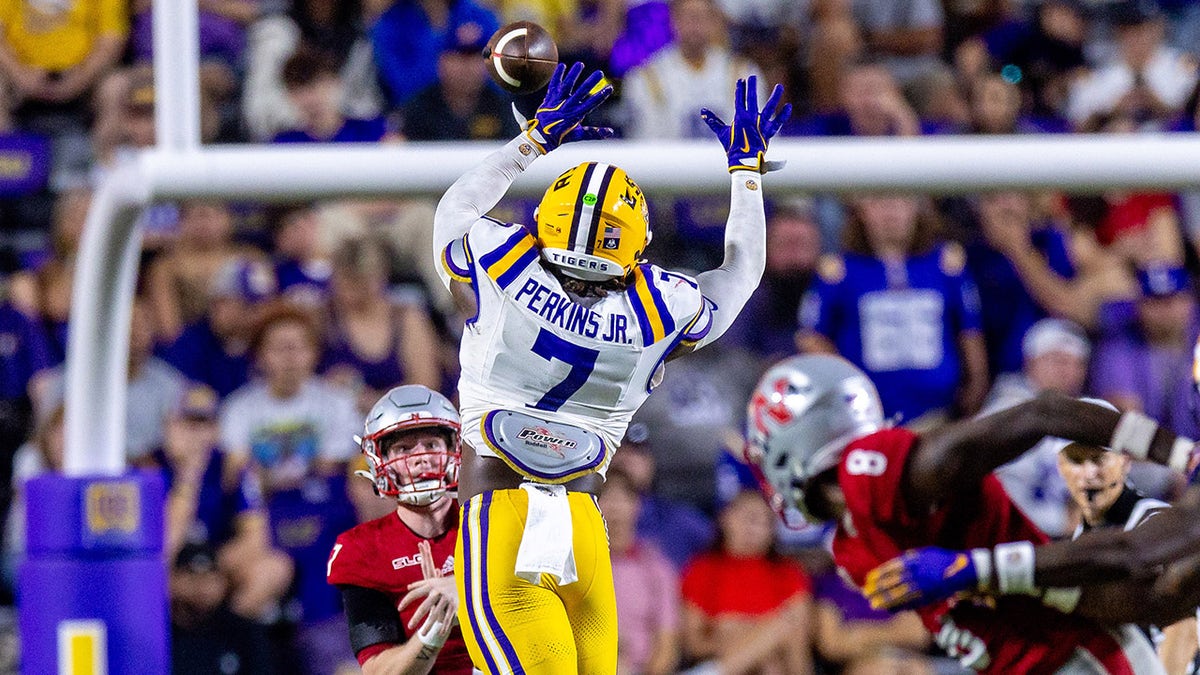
column 593, row 223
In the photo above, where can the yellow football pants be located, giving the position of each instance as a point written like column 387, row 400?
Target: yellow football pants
column 513, row 626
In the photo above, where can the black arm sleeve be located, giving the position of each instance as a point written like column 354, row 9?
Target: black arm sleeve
column 372, row 617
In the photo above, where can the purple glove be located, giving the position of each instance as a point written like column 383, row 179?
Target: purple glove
column 561, row 113
column 745, row 139
column 921, row 577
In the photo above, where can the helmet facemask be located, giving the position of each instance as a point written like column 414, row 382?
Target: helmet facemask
column 413, row 477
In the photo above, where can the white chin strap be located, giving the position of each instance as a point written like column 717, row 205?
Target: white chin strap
column 421, row 493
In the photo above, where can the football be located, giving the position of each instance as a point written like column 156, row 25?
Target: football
column 521, row 57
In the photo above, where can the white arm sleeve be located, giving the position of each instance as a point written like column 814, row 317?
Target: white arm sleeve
column 730, row 285
column 476, row 192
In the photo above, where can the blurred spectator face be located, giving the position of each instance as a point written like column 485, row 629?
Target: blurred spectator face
column 359, row 276
column 299, row 235
column 697, row 23
column 1139, row 41
column 317, row 100
column 1058, row 371
column 1000, row 209
column 287, row 355
column 461, row 74
column 1062, row 21
column 1056, row 355
column 619, row 503
column 1094, row 477
column 995, row 104
column 793, row 244
column 864, row 88
column 205, row 224
column 138, row 120
column 1165, row 318
column 192, row 428
column 890, row 220
column 189, row 436
column 747, row 526
column 196, row 592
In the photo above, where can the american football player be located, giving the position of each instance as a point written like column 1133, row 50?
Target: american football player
column 396, row 573
column 570, row 332
column 816, row 432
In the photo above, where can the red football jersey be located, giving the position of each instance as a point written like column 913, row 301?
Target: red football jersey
column 382, row 554
column 1013, row 635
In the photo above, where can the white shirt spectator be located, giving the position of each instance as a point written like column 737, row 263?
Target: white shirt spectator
column 1169, row 74
column 287, row 436
column 663, row 97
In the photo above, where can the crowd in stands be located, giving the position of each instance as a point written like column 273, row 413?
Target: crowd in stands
column 261, row 334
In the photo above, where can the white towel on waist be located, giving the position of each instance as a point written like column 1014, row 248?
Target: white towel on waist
column 546, row 542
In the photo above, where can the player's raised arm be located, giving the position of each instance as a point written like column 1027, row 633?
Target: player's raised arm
column 558, row 120
column 745, row 140
column 963, row 453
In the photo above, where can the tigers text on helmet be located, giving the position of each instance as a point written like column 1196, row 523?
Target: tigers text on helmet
column 803, row 413
column 593, row 223
column 416, row 478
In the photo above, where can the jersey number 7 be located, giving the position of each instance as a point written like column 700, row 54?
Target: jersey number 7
column 581, row 359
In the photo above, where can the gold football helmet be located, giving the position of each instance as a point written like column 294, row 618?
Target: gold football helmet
column 593, row 223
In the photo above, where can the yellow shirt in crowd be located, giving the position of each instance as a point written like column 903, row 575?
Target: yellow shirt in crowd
column 58, row 34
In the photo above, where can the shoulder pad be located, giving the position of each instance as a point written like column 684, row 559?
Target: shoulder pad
column 953, row 259
column 831, row 268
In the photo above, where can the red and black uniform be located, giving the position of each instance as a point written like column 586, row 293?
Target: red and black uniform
column 1014, row 635
column 373, row 564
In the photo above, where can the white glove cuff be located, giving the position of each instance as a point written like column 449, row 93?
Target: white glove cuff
column 1014, row 568
column 1134, row 434
column 982, row 558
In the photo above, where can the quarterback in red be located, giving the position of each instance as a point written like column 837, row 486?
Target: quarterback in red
column 818, row 436
column 396, row 573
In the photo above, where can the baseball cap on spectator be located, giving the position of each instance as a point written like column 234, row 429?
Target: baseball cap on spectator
column 198, row 402
column 196, row 558
column 251, row 281
column 1160, row 281
column 1055, row 335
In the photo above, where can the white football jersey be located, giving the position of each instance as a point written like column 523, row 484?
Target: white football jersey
column 531, row 348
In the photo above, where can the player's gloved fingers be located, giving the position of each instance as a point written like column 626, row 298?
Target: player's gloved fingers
column 752, row 94
column 710, row 118
column 772, row 126
column 590, row 134
column 591, row 85
column 570, row 78
column 594, row 100
column 739, row 97
column 555, row 84
column 772, row 100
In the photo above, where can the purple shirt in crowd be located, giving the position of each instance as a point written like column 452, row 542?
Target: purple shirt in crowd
column 1125, row 365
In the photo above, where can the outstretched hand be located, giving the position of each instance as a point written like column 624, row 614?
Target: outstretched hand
column 746, row 137
column 559, row 119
